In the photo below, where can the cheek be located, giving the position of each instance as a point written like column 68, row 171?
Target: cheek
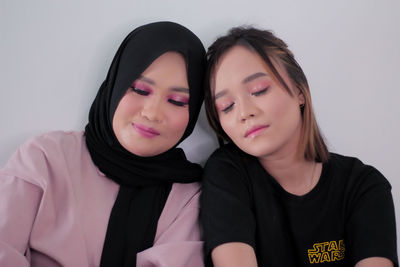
column 276, row 109
column 287, row 114
column 128, row 105
column 278, row 105
column 126, row 109
column 228, row 125
column 178, row 120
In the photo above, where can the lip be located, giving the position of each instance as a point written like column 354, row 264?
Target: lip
column 145, row 131
column 256, row 130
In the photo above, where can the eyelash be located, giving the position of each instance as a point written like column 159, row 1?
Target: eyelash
column 228, row 108
column 261, row 92
column 258, row 93
column 146, row 93
column 139, row 91
column 177, row 103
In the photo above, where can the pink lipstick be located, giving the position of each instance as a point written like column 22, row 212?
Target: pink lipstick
column 145, row 131
column 255, row 130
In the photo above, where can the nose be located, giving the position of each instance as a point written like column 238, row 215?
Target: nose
column 247, row 109
column 152, row 110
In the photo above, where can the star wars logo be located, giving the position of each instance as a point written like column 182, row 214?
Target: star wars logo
column 326, row 252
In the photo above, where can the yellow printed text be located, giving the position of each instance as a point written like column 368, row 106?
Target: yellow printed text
column 326, row 252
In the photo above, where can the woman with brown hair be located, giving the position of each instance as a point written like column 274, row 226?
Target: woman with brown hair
column 274, row 195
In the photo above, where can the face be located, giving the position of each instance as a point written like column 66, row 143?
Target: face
column 254, row 110
column 153, row 114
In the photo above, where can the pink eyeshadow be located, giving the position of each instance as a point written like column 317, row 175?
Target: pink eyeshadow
column 179, row 98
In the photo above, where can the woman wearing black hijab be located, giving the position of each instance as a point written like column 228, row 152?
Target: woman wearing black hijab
column 121, row 193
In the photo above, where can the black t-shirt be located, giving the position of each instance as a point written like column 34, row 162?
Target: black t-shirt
column 346, row 217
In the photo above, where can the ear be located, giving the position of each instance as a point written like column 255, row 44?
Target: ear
column 300, row 97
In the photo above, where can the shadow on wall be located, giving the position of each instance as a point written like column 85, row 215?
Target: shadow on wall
column 203, row 141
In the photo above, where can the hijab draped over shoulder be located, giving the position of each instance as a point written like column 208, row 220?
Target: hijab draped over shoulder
column 145, row 182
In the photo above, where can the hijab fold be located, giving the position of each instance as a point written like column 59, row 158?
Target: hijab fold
column 145, row 182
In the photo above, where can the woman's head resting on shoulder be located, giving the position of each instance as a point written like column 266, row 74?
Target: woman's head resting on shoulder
column 152, row 95
column 257, row 97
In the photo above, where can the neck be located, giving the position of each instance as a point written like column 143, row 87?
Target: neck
column 294, row 173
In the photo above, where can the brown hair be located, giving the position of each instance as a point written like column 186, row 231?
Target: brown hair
column 269, row 48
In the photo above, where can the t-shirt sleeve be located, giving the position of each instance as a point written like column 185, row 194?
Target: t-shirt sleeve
column 226, row 209
column 371, row 226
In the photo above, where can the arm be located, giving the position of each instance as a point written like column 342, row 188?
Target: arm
column 226, row 214
column 19, row 201
column 371, row 227
column 21, row 192
column 234, row 255
column 375, row 262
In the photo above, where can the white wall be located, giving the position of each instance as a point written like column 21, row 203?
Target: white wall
column 55, row 54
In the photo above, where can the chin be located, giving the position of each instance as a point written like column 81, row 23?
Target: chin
column 256, row 150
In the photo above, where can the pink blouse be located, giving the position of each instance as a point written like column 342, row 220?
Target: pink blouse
column 55, row 205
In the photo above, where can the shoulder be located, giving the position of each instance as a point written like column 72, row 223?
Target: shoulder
column 229, row 151
column 46, row 154
column 228, row 169
column 52, row 142
column 53, row 146
column 56, row 140
column 355, row 173
column 226, row 157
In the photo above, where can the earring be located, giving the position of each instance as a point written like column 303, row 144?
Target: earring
column 302, row 107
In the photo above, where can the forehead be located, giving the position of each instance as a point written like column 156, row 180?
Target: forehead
column 169, row 69
column 239, row 63
column 236, row 64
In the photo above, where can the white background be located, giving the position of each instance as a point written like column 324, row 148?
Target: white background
column 55, row 54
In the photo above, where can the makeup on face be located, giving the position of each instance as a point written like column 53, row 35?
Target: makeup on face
column 154, row 112
column 256, row 112
column 254, row 131
column 147, row 132
column 178, row 96
column 253, row 86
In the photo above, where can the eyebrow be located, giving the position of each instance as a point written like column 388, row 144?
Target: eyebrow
column 219, row 94
column 248, row 79
column 175, row 89
column 254, row 76
column 147, row 80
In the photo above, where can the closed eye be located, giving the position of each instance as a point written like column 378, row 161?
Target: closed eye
column 228, row 108
column 139, row 91
column 261, row 92
column 177, row 103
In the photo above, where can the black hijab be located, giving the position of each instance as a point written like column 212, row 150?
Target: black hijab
column 145, row 182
